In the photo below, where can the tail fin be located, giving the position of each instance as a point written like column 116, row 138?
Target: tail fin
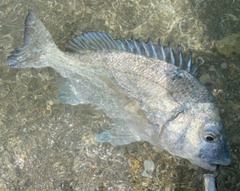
column 38, row 43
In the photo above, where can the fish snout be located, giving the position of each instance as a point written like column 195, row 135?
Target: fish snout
column 225, row 161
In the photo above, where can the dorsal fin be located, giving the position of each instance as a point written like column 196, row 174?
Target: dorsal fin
column 97, row 41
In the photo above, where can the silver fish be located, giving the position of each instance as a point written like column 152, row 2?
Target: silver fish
column 148, row 90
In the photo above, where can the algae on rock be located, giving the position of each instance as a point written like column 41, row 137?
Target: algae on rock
column 229, row 46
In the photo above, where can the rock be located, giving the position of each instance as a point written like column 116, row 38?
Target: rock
column 224, row 65
column 205, row 78
column 229, row 46
column 2, row 185
column 148, row 168
column 134, row 164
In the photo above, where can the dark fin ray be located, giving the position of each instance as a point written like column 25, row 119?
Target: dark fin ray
column 180, row 57
column 151, row 48
column 97, row 41
column 171, row 54
column 160, row 51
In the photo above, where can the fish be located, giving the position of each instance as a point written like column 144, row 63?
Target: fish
column 150, row 91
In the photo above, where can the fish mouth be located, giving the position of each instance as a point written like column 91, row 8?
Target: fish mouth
column 214, row 164
column 211, row 166
column 217, row 171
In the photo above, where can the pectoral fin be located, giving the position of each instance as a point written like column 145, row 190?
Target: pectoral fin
column 66, row 93
column 118, row 135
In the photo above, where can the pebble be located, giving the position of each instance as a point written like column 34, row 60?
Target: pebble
column 2, row 187
column 148, row 167
column 224, row 65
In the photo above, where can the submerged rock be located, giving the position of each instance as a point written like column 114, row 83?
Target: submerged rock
column 148, row 168
column 229, row 46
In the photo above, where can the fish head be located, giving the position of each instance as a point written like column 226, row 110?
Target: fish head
column 213, row 150
column 210, row 145
column 197, row 134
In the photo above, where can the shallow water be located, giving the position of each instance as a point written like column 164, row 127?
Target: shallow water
column 47, row 145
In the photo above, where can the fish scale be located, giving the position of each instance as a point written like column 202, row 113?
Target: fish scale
column 159, row 72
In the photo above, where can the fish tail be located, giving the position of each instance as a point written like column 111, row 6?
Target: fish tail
column 38, row 44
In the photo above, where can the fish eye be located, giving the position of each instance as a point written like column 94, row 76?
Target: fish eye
column 210, row 138
column 211, row 134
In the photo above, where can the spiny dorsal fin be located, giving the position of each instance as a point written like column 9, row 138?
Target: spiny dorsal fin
column 97, row 41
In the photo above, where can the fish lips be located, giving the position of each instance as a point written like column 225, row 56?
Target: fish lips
column 209, row 166
column 212, row 165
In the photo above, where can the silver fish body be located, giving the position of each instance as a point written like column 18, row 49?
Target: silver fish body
column 148, row 98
